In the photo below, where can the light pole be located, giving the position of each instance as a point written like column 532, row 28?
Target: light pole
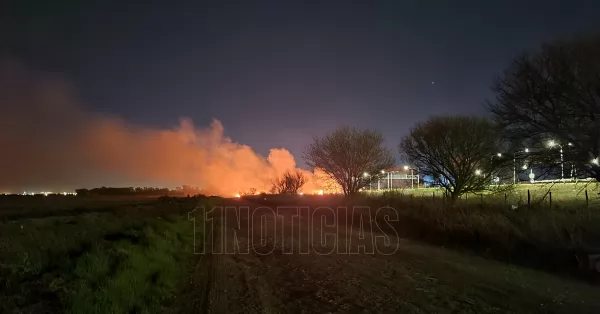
column 418, row 179
column 553, row 143
column 412, row 176
column 515, row 163
column 499, row 155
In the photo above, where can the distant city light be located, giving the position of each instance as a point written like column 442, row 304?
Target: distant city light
column 499, row 154
column 405, row 167
column 300, row 193
column 527, row 150
column 478, row 172
column 366, row 174
column 524, row 167
column 595, row 161
column 382, row 171
column 320, row 192
column 551, row 143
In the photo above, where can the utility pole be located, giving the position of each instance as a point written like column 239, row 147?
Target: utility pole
column 418, row 178
column 562, row 165
column 515, row 168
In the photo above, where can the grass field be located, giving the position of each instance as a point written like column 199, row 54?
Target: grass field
column 559, row 239
column 562, row 195
column 417, row 278
column 78, row 255
column 124, row 255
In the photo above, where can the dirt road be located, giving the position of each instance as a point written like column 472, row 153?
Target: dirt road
column 277, row 267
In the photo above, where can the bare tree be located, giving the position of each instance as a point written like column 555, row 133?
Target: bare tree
column 457, row 152
column 553, row 97
column 349, row 156
column 289, row 183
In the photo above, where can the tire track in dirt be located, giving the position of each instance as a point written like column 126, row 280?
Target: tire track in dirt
column 228, row 283
column 415, row 279
column 265, row 281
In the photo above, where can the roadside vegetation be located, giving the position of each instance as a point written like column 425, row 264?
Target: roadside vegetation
column 128, row 257
column 561, row 239
column 541, row 195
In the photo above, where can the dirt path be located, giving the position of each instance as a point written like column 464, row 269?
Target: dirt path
column 273, row 277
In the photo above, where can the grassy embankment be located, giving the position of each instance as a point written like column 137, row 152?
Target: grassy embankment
column 93, row 256
column 558, row 239
column 541, row 194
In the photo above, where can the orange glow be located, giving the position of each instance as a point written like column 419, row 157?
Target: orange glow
column 237, row 196
column 97, row 150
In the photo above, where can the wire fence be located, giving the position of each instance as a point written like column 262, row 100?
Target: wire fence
column 552, row 195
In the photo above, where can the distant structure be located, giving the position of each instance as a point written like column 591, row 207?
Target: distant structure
column 397, row 178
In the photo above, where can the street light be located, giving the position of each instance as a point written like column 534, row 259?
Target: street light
column 526, row 150
column 595, row 161
column 379, row 181
column 552, row 144
column 499, row 155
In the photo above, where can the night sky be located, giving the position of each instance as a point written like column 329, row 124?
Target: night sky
column 277, row 73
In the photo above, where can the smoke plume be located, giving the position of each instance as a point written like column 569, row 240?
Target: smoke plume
column 50, row 143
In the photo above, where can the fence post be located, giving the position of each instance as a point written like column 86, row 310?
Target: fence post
column 528, row 199
column 505, row 198
column 587, row 200
column 466, row 198
column 550, row 194
column 433, row 195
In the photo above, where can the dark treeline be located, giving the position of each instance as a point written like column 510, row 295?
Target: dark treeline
column 139, row 191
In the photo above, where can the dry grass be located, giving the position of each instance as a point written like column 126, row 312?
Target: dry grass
column 557, row 238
